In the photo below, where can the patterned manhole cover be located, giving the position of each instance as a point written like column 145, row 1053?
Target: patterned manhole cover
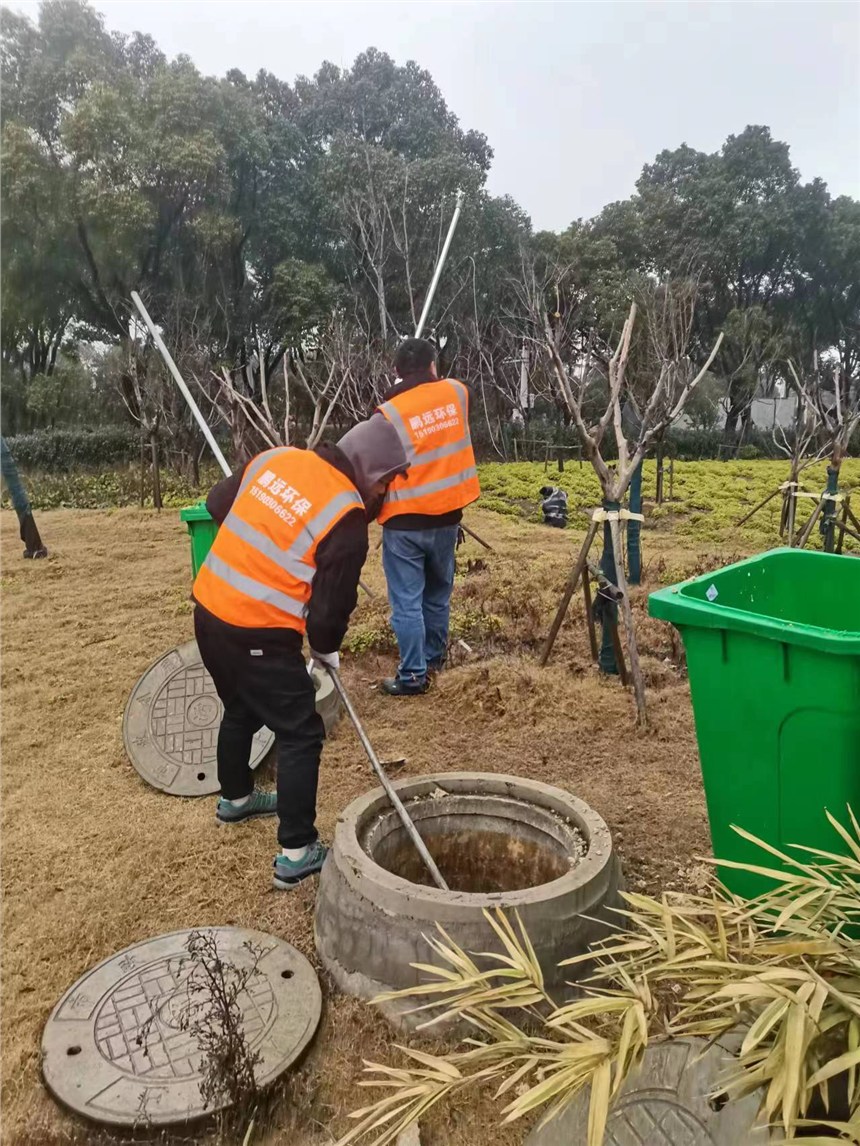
column 170, row 726
column 121, row 1045
column 667, row 1102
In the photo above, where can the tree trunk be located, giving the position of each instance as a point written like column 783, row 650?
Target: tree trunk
column 632, row 647
column 383, row 315
column 827, row 526
column 156, row 475
column 142, row 471
column 736, row 405
column 608, row 609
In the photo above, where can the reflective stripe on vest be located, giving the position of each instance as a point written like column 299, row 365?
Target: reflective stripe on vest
column 244, row 591
column 432, row 486
column 420, row 485
column 252, row 588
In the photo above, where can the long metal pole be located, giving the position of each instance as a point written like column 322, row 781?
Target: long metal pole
column 180, row 382
column 397, row 803
column 440, row 264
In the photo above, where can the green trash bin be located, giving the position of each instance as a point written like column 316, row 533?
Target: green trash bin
column 773, row 652
column 202, row 528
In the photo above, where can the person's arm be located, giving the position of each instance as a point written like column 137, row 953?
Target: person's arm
column 334, row 595
column 221, row 496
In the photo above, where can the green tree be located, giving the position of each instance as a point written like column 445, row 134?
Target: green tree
column 742, row 223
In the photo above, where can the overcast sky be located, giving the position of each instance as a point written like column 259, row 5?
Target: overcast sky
column 574, row 97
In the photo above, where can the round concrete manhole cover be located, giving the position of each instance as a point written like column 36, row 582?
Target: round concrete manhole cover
column 667, row 1102
column 170, row 726
column 122, row 1045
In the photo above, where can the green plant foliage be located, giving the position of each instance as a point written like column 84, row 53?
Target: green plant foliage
column 710, row 497
column 784, row 968
column 59, row 451
column 106, row 489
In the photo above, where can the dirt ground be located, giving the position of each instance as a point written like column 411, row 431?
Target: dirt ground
column 94, row 859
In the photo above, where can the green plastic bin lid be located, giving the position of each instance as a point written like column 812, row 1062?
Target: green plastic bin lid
column 796, row 596
column 197, row 512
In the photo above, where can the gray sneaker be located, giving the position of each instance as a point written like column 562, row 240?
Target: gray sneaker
column 289, row 874
column 260, row 804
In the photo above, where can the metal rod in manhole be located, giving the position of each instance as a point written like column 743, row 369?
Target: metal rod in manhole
column 396, row 802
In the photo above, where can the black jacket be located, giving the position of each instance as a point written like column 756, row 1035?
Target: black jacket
column 340, row 558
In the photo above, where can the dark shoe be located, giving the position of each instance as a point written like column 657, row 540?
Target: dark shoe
column 34, row 547
column 288, row 874
column 394, row 686
column 260, row 804
column 435, row 667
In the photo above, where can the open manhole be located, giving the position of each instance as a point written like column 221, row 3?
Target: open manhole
column 171, row 721
column 122, row 1046
column 481, row 844
column 499, row 841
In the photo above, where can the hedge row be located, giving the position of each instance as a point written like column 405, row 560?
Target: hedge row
column 59, row 451
column 63, row 451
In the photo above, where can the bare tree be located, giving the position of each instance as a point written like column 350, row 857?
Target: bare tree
column 833, row 413
column 365, row 204
column 666, row 325
column 336, row 381
column 143, row 397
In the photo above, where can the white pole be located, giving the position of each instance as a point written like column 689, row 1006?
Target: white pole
column 524, row 379
column 180, row 382
column 441, row 263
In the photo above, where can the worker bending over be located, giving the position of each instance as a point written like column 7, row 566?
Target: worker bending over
column 285, row 562
column 422, row 510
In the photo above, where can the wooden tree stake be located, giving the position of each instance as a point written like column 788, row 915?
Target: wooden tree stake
column 589, row 616
column 475, row 537
column 760, row 505
column 619, row 653
column 792, row 512
column 569, row 590
column 807, row 530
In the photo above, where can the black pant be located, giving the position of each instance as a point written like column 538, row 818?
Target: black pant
column 261, row 677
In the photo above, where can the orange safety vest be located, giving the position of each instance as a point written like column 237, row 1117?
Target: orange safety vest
column 259, row 571
column 432, row 422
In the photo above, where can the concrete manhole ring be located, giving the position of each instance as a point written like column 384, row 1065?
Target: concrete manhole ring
column 667, row 1102
column 117, row 1050
column 500, row 841
column 170, row 725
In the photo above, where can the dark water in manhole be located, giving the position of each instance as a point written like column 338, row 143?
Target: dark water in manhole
column 474, row 860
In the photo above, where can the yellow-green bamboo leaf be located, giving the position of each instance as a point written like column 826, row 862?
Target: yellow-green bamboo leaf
column 762, row 1026
column 598, row 1106
column 844, row 1062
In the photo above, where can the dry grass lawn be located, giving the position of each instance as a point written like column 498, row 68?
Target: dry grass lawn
column 94, row 859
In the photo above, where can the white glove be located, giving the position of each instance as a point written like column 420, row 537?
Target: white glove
column 326, row 660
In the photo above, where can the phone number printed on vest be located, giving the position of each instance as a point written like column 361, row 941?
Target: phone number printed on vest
column 280, row 495
column 432, row 421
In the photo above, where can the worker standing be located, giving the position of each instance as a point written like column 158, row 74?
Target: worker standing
column 286, row 561
column 422, row 510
